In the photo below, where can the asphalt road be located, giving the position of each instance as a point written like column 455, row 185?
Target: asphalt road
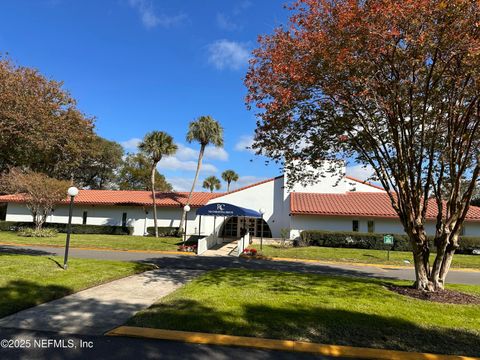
column 210, row 263
column 37, row 345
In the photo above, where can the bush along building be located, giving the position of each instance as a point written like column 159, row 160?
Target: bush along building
column 333, row 204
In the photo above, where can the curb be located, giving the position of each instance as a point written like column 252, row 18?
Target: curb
column 386, row 266
column 183, row 253
column 282, row 345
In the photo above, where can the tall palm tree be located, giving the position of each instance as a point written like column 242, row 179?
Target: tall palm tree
column 229, row 176
column 211, row 183
column 205, row 130
column 154, row 146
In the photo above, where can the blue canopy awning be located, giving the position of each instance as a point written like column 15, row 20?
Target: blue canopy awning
column 222, row 209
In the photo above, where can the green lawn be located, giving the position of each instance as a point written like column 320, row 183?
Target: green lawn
column 360, row 255
column 27, row 280
column 117, row 242
column 309, row 307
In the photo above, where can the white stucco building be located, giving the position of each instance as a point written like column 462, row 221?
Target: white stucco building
column 334, row 204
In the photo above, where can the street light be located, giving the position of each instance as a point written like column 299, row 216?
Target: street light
column 262, row 211
column 72, row 192
column 186, row 208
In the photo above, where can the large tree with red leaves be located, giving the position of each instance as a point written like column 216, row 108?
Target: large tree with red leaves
column 393, row 84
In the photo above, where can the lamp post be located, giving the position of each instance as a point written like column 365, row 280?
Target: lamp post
column 72, row 192
column 186, row 208
column 261, row 211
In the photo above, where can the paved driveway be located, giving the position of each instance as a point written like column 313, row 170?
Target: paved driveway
column 210, row 263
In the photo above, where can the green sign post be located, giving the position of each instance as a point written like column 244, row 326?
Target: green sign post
column 388, row 240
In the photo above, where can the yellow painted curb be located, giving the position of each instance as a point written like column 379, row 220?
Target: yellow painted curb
column 183, row 253
column 283, row 345
column 386, row 266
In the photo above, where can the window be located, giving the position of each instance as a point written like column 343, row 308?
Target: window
column 124, row 219
column 84, row 218
column 355, row 225
column 462, row 230
column 371, row 226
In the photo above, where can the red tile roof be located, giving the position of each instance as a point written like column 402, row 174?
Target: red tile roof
column 129, row 197
column 361, row 204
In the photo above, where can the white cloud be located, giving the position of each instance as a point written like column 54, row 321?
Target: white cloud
column 131, row 145
column 245, row 181
column 224, row 22
column 245, row 144
column 151, row 19
column 173, row 163
column 242, row 6
column 211, row 153
column 360, row 172
column 225, row 54
column 216, row 153
column 180, row 183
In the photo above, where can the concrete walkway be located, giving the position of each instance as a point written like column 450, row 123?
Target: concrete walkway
column 99, row 309
column 224, row 249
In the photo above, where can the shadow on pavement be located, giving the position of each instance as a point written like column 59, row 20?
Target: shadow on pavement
column 16, row 250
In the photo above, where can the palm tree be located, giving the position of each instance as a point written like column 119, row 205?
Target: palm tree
column 211, row 183
column 229, row 176
column 154, row 146
column 205, row 130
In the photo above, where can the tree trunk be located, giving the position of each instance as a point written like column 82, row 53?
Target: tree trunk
column 228, row 186
column 422, row 281
column 421, row 253
column 152, row 178
column 199, row 165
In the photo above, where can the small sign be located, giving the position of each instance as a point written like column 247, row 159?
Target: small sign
column 388, row 239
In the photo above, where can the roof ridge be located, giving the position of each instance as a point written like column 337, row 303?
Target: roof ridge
column 249, row 186
column 368, row 183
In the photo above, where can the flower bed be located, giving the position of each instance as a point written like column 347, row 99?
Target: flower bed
column 250, row 252
column 187, row 248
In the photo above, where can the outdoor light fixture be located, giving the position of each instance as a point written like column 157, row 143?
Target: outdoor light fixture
column 261, row 211
column 186, row 208
column 72, row 192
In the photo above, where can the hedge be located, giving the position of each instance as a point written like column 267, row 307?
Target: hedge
column 164, row 231
column 76, row 228
column 360, row 240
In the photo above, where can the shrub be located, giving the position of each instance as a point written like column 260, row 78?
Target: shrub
column 31, row 232
column 164, row 231
column 76, row 228
column 359, row 240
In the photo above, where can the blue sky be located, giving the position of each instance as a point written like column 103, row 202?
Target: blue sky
column 142, row 65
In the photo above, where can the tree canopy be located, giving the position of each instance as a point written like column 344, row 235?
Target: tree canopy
column 229, row 176
column 211, row 183
column 134, row 174
column 98, row 167
column 41, row 192
column 40, row 126
column 394, row 85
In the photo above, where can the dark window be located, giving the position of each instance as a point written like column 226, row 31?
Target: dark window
column 355, row 225
column 266, row 229
column 84, row 218
column 371, row 226
column 124, row 219
column 230, row 228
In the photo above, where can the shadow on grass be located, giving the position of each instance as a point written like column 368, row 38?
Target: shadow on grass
column 313, row 324
column 291, row 317
column 17, row 295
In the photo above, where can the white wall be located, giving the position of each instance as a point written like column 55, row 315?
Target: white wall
column 268, row 195
column 137, row 216
column 382, row 226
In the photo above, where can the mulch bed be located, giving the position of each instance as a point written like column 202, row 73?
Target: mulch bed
column 441, row 296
